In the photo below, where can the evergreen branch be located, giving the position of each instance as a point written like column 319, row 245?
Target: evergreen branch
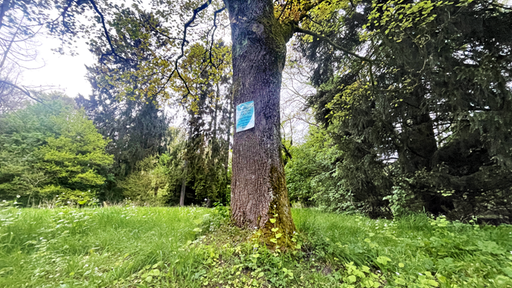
column 319, row 36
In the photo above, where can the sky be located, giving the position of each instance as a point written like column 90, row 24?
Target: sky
column 64, row 73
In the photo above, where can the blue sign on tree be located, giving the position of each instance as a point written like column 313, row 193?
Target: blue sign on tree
column 245, row 116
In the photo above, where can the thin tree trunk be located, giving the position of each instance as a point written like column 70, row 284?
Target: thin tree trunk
column 183, row 185
column 259, row 198
column 215, row 112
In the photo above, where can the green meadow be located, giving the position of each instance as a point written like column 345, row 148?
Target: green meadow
column 198, row 247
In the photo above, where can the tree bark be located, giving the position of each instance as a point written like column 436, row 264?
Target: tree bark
column 183, row 184
column 258, row 190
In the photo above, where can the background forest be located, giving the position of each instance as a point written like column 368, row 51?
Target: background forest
column 416, row 118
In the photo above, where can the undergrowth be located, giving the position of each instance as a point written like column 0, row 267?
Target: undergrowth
column 197, row 247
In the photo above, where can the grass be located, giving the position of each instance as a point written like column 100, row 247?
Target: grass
column 92, row 247
column 194, row 247
column 414, row 251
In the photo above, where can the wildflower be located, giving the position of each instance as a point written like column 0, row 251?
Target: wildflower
column 18, row 196
column 420, row 274
column 397, row 273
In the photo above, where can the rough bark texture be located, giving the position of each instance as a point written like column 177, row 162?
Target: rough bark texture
column 258, row 189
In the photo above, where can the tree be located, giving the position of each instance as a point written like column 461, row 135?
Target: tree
column 259, row 197
column 311, row 175
column 122, row 109
column 260, row 30
column 209, row 114
column 51, row 151
column 424, row 110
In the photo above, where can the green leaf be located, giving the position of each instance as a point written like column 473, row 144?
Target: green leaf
column 351, row 279
column 383, row 260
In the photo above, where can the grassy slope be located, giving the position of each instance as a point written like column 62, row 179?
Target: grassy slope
column 157, row 247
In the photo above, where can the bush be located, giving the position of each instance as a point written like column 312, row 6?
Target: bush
column 51, row 150
column 153, row 183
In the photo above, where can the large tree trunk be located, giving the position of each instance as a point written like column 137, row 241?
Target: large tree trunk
column 258, row 191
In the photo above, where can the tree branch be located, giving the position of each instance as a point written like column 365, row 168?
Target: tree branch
column 183, row 42
column 282, row 11
column 316, row 35
column 213, row 33
column 156, row 30
column 7, row 50
column 24, row 91
column 105, row 31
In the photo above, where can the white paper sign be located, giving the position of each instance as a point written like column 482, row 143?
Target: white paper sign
column 245, row 116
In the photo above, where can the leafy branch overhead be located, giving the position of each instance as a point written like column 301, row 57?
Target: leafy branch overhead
column 294, row 16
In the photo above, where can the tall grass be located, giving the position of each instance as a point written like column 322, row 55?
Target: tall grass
column 168, row 247
column 92, row 247
column 415, row 250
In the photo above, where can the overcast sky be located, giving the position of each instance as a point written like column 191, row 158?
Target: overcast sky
column 60, row 72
